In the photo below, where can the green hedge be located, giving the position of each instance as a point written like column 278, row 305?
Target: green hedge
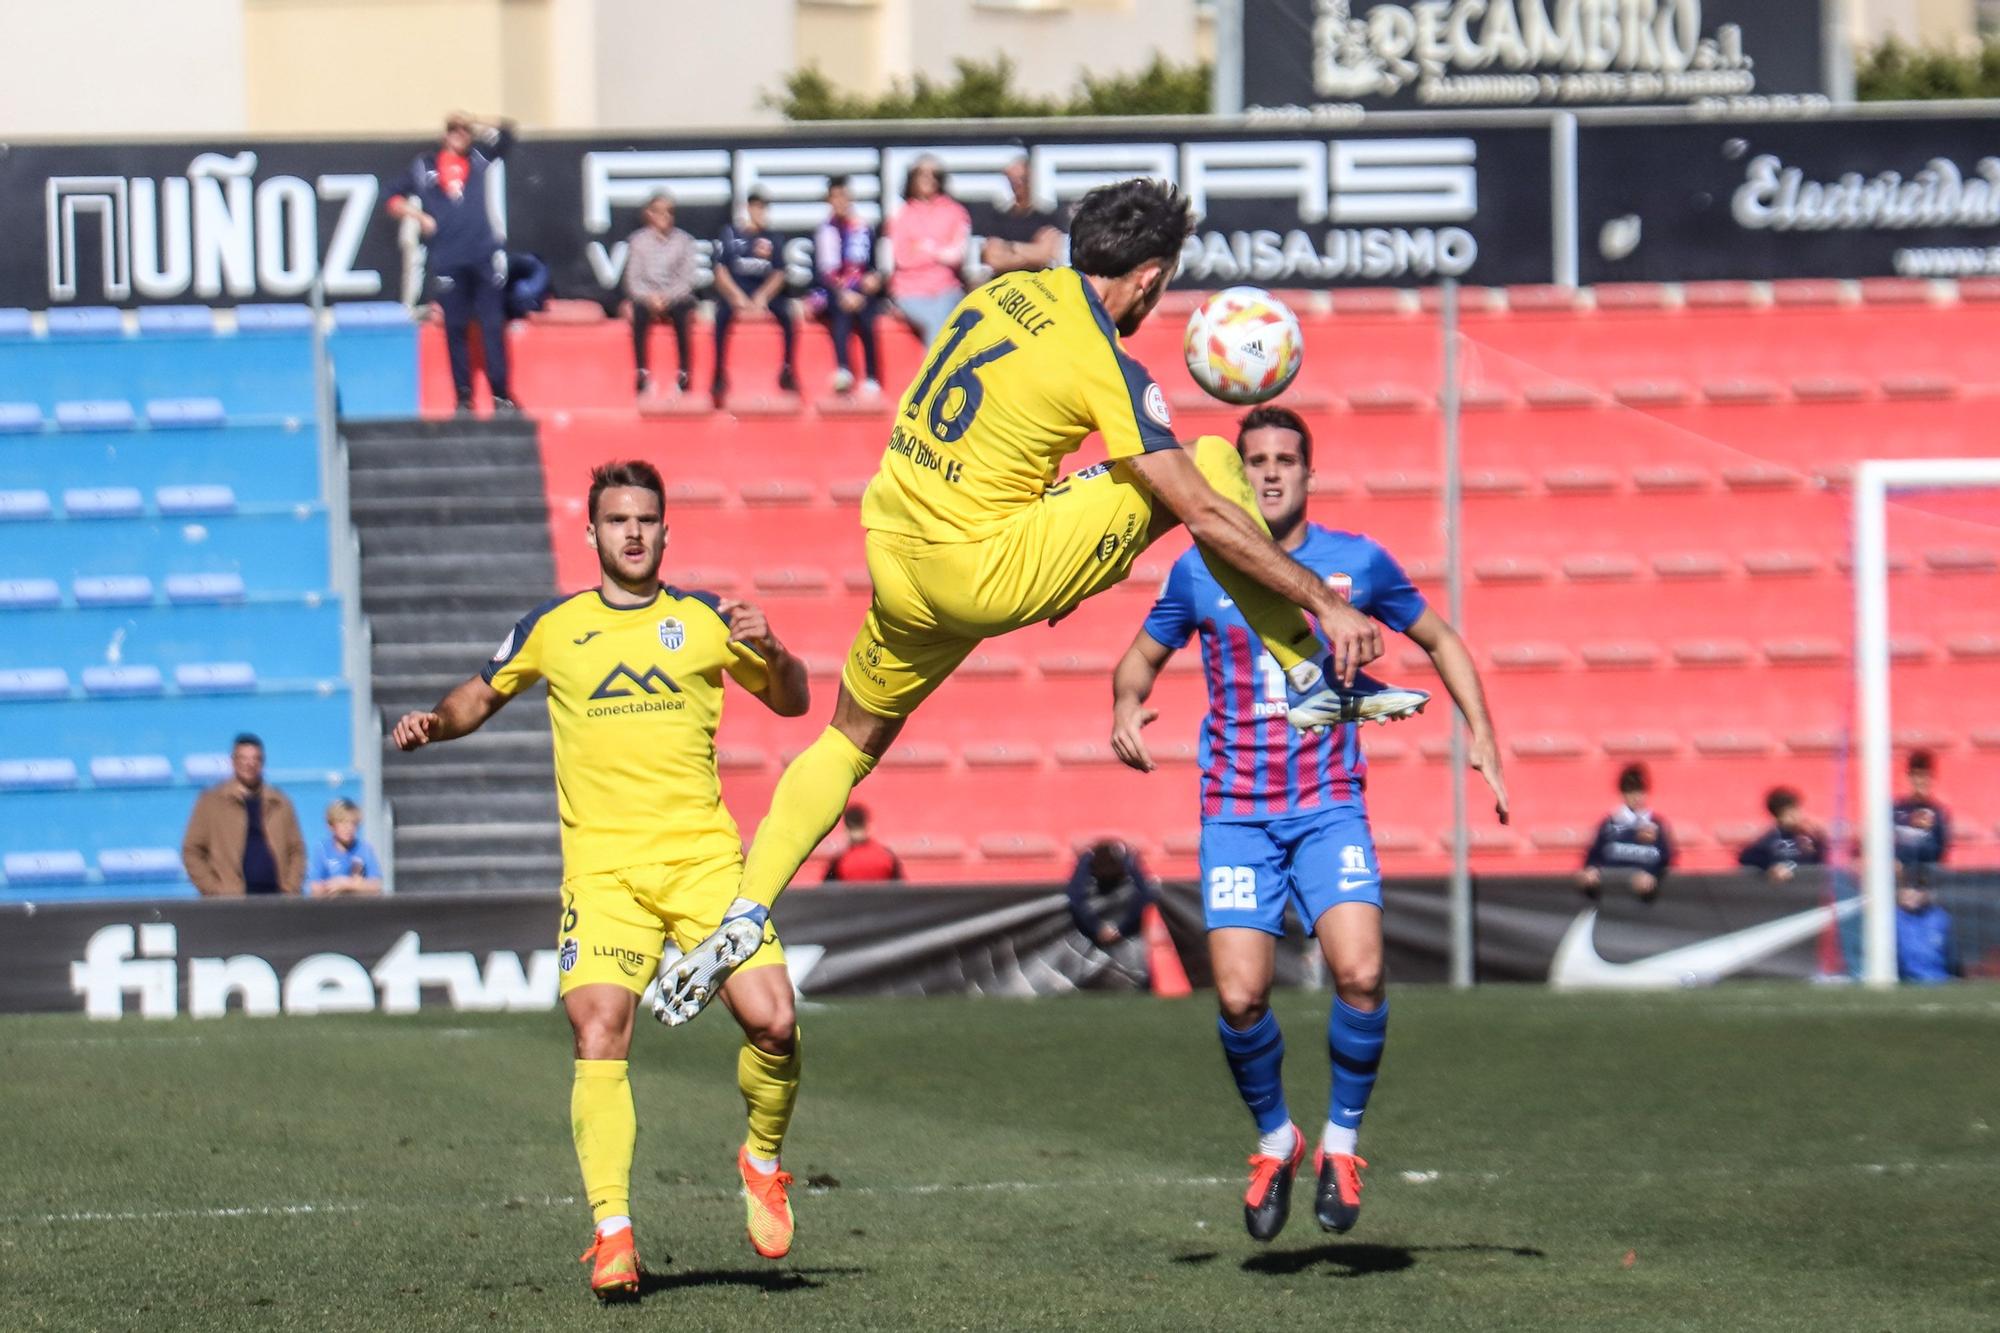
column 1893, row 72
column 984, row 90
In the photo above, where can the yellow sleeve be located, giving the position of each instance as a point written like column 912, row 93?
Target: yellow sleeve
column 1123, row 403
column 517, row 663
column 747, row 669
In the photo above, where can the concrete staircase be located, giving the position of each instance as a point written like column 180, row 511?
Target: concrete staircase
column 455, row 549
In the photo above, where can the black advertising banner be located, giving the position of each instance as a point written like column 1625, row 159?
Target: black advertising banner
column 229, row 222
column 499, row 952
column 1306, row 55
column 1864, row 197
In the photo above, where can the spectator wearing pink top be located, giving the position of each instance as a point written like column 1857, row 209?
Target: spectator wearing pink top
column 930, row 236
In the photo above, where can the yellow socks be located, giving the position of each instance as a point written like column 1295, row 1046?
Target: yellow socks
column 605, row 1127
column 770, row 1086
column 1286, row 633
column 805, row 807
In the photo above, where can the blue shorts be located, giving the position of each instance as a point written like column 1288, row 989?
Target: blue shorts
column 1314, row 860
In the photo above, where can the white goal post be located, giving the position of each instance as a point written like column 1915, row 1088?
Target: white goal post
column 1873, row 481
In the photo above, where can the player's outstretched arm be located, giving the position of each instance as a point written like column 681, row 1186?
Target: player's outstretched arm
column 1131, row 685
column 1238, row 537
column 1453, row 660
column 459, row 713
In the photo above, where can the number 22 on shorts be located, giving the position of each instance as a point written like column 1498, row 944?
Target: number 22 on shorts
column 1232, row 888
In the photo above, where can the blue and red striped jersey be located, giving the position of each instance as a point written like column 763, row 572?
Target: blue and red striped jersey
column 1255, row 765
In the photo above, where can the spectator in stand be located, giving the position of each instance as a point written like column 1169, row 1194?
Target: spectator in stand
column 446, row 192
column 243, row 836
column 1923, row 830
column 749, row 268
column 1791, row 841
column 659, row 285
column 930, row 237
column 1108, row 893
column 1021, row 235
column 1923, row 938
column 847, row 288
column 343, row 862
column 864, row 858
column 1632, row 844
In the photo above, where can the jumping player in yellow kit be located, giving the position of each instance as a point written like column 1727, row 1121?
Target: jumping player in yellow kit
column 970, row 535
column 650, row 854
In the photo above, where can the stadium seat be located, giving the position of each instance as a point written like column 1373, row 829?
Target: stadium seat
column 199, row 501
column 192, row 588
column 85, row 321
column 37, row 774
column 20, row 418
column 204, row 769
column 95, row 414
column 29, row 594
column 170, row 319
column 144, row 770
column 24, row 503
column 278, row 317
column 104, row 502
column 138, row 864
column 25, row 869
column 16, row 323
column 28, row 683
column 214, row 677
column 184, row 413
column 112, row 590
column 370, row 315
column 123, row 681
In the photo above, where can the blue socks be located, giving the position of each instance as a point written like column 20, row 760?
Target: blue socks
column 1256, row 1059
column 1354, row 1042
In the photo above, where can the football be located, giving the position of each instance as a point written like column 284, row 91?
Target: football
column 1244, row 345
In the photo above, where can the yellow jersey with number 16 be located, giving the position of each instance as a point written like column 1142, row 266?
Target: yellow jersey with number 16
column 635, row 695
column 1026, row 368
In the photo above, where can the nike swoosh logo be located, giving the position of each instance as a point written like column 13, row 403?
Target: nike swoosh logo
column 588, row 637
column 1348, row 886
column 1578, row 966
column 1225, row 603
column 1352, row 1115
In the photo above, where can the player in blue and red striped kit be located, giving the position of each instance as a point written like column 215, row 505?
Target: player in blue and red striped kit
column 1284, row 819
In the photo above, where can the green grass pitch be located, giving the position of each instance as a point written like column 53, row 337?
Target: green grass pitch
column 1750, row 1157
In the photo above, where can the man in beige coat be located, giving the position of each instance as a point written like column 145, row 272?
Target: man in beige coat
column 243, row 836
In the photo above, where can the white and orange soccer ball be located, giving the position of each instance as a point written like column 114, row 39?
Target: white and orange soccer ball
column 1244, row 345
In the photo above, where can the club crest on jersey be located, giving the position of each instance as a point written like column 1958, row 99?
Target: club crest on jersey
column 566, row 959
column 506, row 648
column 1342, row 585
column 672, row 634
column 1156, row 405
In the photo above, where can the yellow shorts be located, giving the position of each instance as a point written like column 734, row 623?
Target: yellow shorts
column 935, row 602
column 615, row 922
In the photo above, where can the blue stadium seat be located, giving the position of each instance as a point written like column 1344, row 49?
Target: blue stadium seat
column 85, row 321
column 370, row 315
column 95, row 414
column 47, row 867
column 123, row 682
column 206, row 769
column 113, row 590
column 24, row 503
column 305, row 727
column 264, row 464
column 284, row 552
column 16, row 323
column 29, row 594
column 215, row 677
column 289, row 639
column 264, row 375
column 278, row 317
column 31, row 683
column 184, row 413
column 195, row 501
column 20, row 418
column 196, row 588
column 169, row 319
column 135, row 770
column 37, row 774
column 104, row 502
column 120, row 865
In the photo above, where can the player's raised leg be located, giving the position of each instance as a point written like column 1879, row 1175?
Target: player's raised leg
column 767, row 1074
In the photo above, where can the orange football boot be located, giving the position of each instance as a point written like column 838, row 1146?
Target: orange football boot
column 615, row 1275
column 770, row 1208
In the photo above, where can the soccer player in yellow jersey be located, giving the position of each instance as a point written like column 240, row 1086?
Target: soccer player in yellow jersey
column 970, row 535
column 634, row 671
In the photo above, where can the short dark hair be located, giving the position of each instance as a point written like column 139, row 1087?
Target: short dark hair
column 924, row 163
column 1269, row 417
column 1780, row 799
column 855, row 817
column 631, row 472
column 1923, row 761
column 247, row 738
column 1634, row 777
column 1121, row 226
column 837, row 183
column 757, row 196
